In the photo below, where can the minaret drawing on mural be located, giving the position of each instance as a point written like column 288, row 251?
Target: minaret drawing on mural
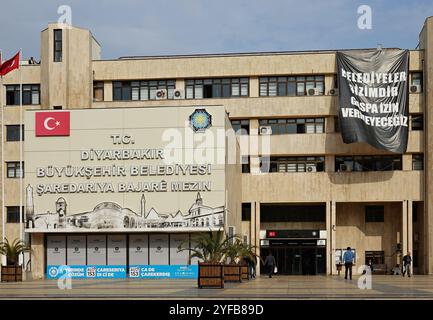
column 30, row 209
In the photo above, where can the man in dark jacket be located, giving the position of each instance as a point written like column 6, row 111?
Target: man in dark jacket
column 270, row 262
column 407, row 263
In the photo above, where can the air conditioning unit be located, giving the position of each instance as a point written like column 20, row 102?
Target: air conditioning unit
column 265, row 130
column 161, row 94
column 311, row 168
column 415, row 88
column 313, row 92
column 333, row 92
column 178, row 94
column 345, row 168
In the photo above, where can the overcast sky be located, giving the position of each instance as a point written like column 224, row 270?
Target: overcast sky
column 158, row 27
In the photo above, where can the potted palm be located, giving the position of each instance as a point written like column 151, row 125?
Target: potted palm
column 232, row 266
column 12, row 271
column 210, row 248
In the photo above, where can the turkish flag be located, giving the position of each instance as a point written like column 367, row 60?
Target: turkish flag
column 52, row 123
column 11, row 64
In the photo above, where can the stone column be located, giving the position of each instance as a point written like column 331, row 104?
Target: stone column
column 333, row 218
column 329, row 257
column 404, row 232
column 410, row 226
column 257, row 234
column 38, row 256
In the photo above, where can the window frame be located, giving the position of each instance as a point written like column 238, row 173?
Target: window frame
column 15, row 167
column 265, row 84
column 10, row 134
column 282, row 125
column 98, row 85
column 139, row 87
column 281, row 164
column 55, row 45
column 356, row 162
column 34, row 88
column 15, row 213
column 417, row 159
column 215, row 87
column 239, row 124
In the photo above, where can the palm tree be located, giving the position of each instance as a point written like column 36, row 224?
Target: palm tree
column 12, row 251
column 211, row 247
column 248, row 252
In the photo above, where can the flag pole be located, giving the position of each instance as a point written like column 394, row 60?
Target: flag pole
column 3, row 156
column 21, row 150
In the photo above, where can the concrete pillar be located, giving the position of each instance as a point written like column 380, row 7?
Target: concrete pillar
column 329, row 83
column 426, row 44
column 180, row 84
column 404, row 232
column 108, row 91
column 253, row 224
column 329, row 125
column 407, row 162
column 329, row 163
column 410, row 226
column 38, row 256
column 254, row 87
column 257, row 233
column 328, row 239
column 333, row 219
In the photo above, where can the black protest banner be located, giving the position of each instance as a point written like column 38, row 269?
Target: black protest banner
column 373, row 97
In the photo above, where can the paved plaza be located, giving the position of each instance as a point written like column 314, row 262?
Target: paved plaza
column 279, row 287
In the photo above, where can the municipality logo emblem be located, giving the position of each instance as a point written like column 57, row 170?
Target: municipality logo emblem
column 53, row 272
column 200, row 120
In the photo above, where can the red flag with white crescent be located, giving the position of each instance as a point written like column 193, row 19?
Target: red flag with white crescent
column 55, row 123
column 11, row 64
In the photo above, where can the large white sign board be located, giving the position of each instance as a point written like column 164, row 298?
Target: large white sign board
column 127, row 169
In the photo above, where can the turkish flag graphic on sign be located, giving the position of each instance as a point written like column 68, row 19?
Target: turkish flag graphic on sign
column 52, row 123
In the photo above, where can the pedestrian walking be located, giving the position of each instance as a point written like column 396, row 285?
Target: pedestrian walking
column 407, row 264
column 348, row 258
column 270, row 263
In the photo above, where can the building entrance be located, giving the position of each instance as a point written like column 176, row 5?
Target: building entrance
column 296, row 256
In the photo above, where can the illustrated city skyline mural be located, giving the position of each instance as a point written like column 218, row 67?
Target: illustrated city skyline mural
column 110, row 215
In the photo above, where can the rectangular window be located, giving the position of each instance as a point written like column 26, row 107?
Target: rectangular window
column 374, row 213
column 417, row 122
column 416, row 80
column 216, row 88
column 294, row 126
column 241, row 126
column 292, row 213
column 417, row 162
column 141, row 90
column 98, row 91
column 376, row 257
column 31, row 94
column 368, row 163
column 245, row 164
column 13, row 214
column 246, row 211
column 58, row 45
column 291, row 86
column 13, row 132
column 14, row 170
column 293, row 164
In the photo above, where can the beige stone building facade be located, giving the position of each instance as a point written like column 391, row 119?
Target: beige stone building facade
column 320, row 195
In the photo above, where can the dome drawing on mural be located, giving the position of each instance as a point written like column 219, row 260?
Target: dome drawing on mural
column 110, row 215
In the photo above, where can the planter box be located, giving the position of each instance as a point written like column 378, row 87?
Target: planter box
column 11, row 274
column 232, row 273
column 210, row 275
column 245, row 272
